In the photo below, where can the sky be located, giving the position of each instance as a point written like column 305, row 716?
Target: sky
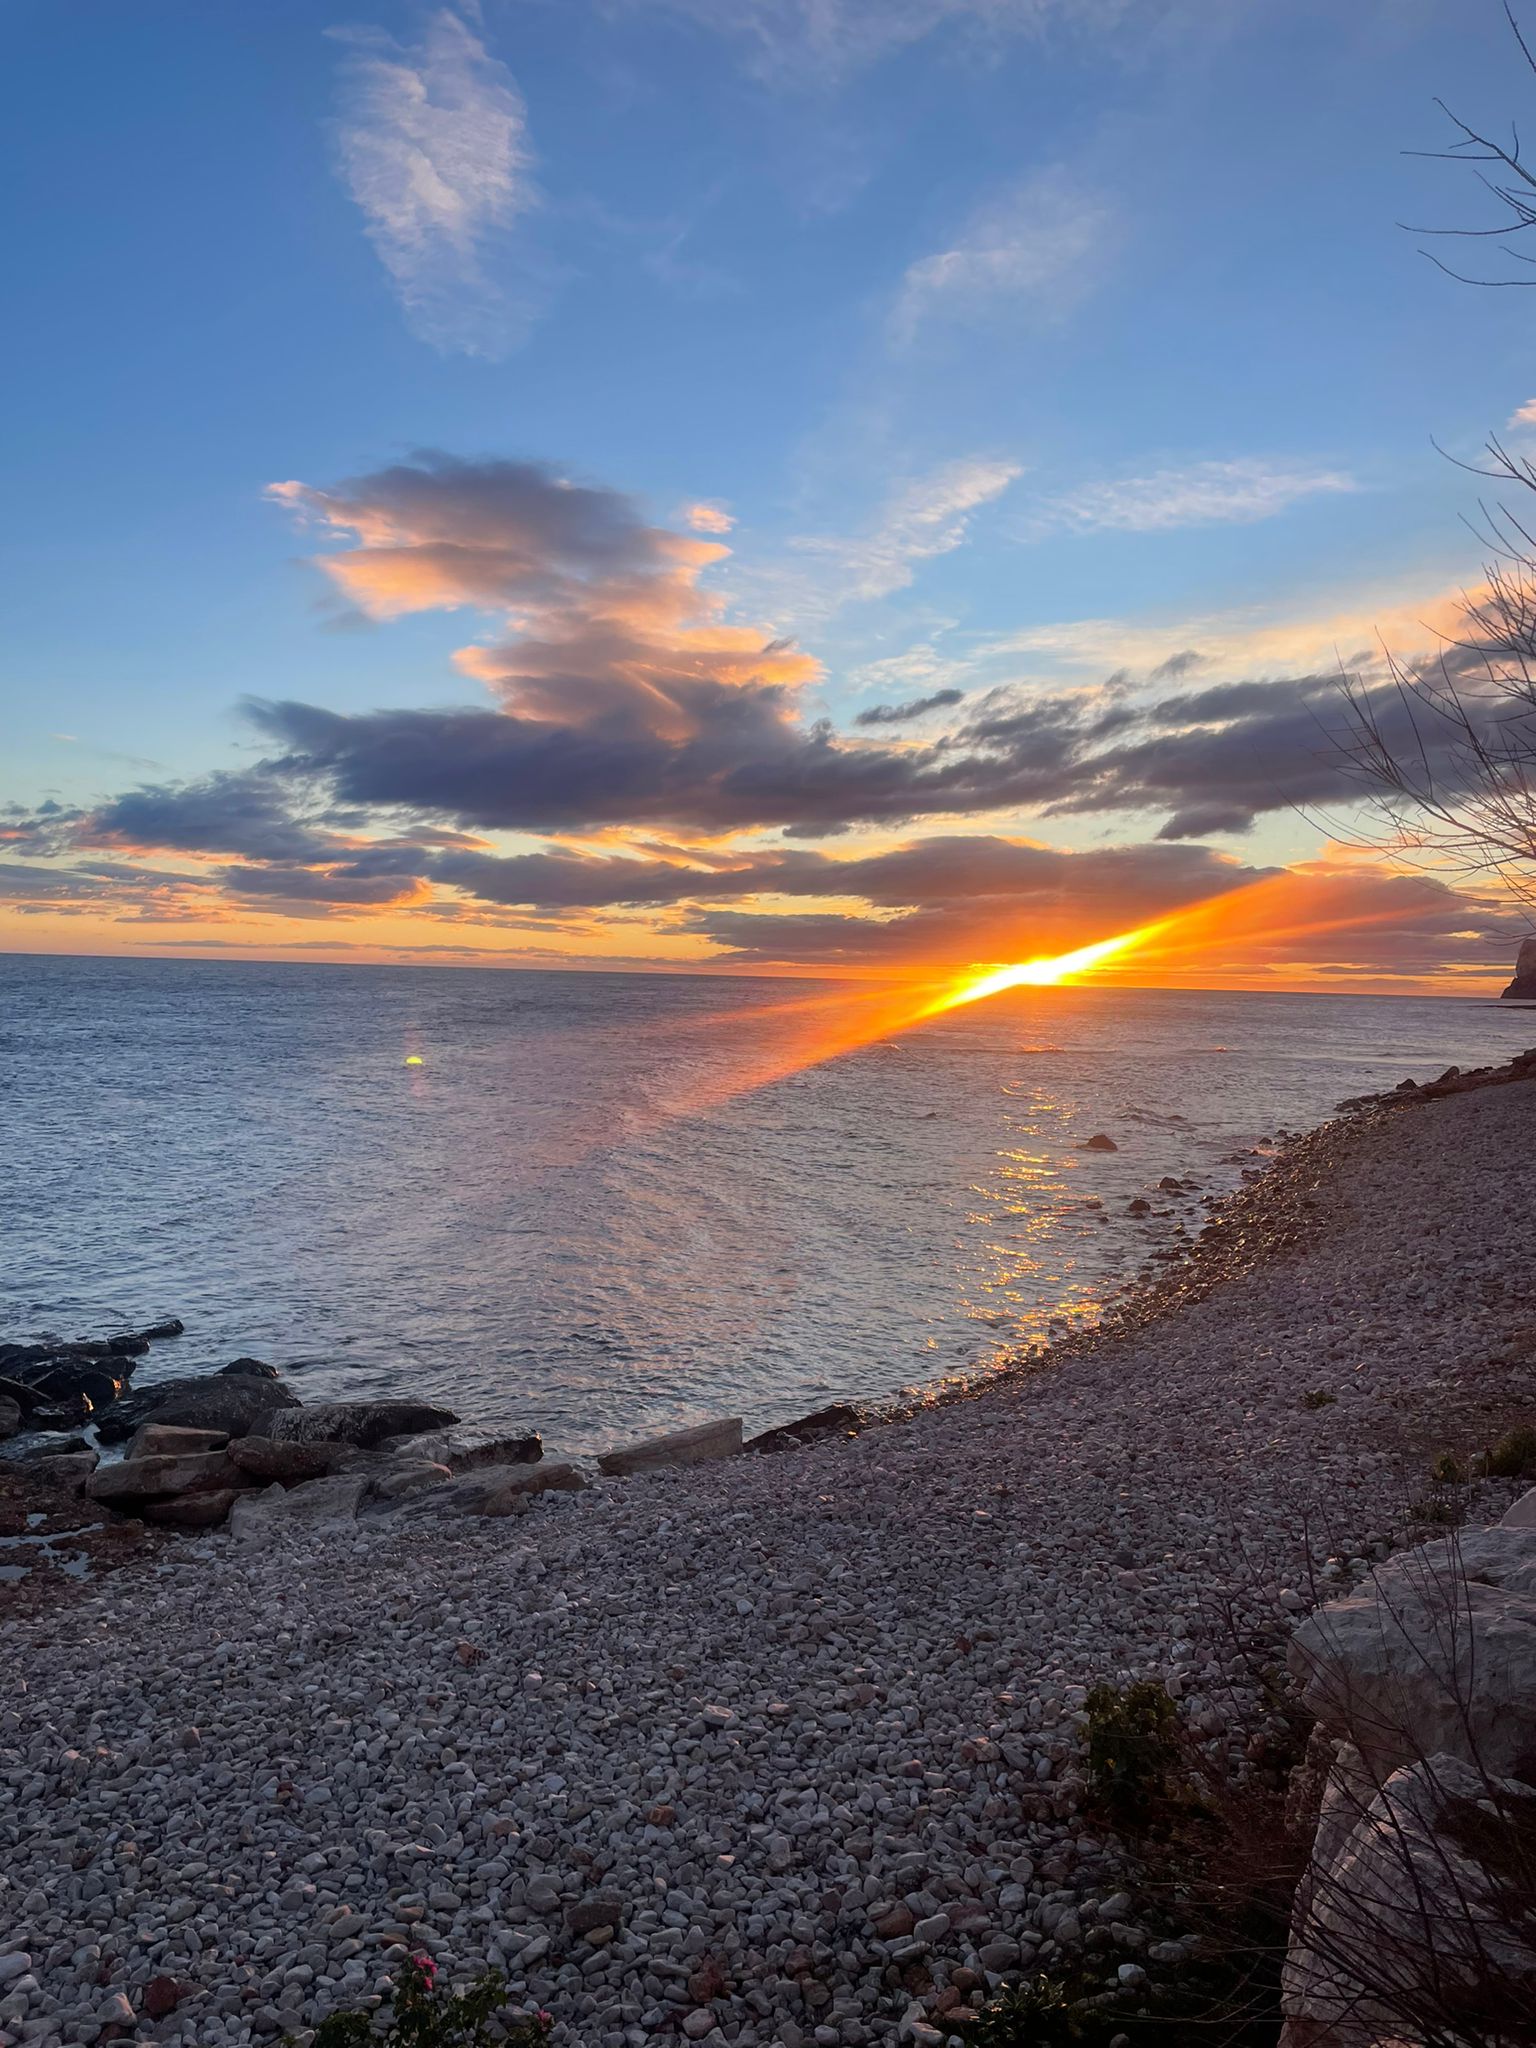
column 860, row 487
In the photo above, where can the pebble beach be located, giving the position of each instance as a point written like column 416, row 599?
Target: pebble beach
column 778, row 1750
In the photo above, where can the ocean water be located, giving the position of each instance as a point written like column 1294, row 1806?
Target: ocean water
column 609, row 1204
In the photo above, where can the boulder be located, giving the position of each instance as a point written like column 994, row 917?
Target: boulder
column 363, row 1423
column 496, row 1490
column 164, row 1440
column 1098, row 1143
column 173, row 1326
column 153, row 1478
column 260, row 1518
column 1406, row 1915
column 39, row 1449
column 193, row 1510
column 1523, row 1513
column 237, row 1405
column 67, row 1382
column 291, row 1464
column 1523, row 988
column 1436, row 1652
column 840, row 1419
column 698, row 1446
column 464, row 1451
column 249, row 1368
column 10, row 1416
column 400, row 1478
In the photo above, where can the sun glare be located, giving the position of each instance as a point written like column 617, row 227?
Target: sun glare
column 1042, row 973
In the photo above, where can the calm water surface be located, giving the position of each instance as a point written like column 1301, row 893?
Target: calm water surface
column 610, row 1203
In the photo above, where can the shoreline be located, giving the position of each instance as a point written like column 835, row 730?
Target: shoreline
column 813, row 1720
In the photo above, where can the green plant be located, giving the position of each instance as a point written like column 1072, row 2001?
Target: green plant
column 1448, row 1470
column 1513, row 1456
column 1436, row 1512
column 1318, row 1398
column 1132, row 1749
column 425, row 2016
column 1042, row 2012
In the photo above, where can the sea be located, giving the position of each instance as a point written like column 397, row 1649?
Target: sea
column 605, row 1205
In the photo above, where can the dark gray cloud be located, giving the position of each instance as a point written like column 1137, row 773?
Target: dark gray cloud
column 915, row 707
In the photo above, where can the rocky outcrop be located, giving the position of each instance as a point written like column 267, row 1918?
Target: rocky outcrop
column 840, row 1419
column 1523, row 988
column 238, row 1404
column 1407, row 1926
column 698, row 1446
column 364, row 1424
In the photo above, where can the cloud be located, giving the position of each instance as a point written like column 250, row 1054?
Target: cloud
column 432, row 144
column 707, row 517
column 1206, row 494
column 915, row 707
column 818, row 42
column 1036, row 250
column 923, row 518
column 1524, row 415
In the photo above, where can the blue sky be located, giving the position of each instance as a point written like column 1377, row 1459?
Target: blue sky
column 1015, row 343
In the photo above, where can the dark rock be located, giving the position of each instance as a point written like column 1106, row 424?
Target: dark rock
column 64, row 1446
column 597, row 1909
column 1523, row 988
column 10, row 1416
column 1139, row 1206
column 162, row 1995
column 127, row 1347
column 363, row 1423
column 1098, row 1143
column 250, row 1368
column 173, row 1326
column 290, row 1463
column 238, row 1406
column 840, row 1419
column 193, row 1510
column 62, row 1381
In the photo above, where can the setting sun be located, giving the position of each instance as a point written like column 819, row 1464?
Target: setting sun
column 1042, row 973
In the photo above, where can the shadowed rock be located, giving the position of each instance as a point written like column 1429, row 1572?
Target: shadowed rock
column 363, row 1423
column 153, row 1478
column 237, row 1405
column 463, row 1451
column 840, row 1419
column 497, row 1490
column 193, row 1510
column 1523, row 988
column 291, row 1464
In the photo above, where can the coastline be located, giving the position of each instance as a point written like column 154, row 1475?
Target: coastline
column 773, row 1702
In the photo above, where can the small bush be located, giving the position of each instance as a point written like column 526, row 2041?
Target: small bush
column 1132, row 1749
column 426, row 2017
column 1448, row 1470
column 1436, row 1512
column 1513, row 1456
column 1044, row 2012
column 1318, row 1398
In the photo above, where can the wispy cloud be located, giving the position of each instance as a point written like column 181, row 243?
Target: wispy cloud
column 432, row 144
column 1205, row 494
column 1524, row 415
column 820, row 41
column 1037, row 249
column 925, row 517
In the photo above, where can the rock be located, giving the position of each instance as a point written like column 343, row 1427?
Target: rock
column 173, row 1326
column 164, row 1440
column 153, row 1478
column 363, row 1424
column 1523, row 988
column 1437, row 1651
column 10, row 1416
column 69, row 1470
column 51, row 1446
column 162, row 1995
column 1397, row 1915
column 498, row 1490
column 249, row 1369
column 258, row 1518
column 1098, row 1143
column 463, row 1451
column 291, row 1464
column 236, row 1405
column 193, row 1510
column 1002, row 1953
column 597, row 1909
column 398, row 1481
column 13, row 1966
column 67, row 1383
column 1138, row 1206
column 1522, row 1515
column 698, row 1446
column 840, row 1419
